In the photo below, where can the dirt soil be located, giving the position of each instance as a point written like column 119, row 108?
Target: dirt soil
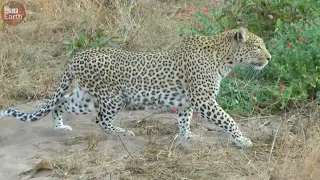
column 37, row 151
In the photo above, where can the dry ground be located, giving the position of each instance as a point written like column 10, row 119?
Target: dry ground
column 32, row 58
column 285, row 147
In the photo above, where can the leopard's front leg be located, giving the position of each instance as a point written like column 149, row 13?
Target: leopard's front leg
column 211, row 111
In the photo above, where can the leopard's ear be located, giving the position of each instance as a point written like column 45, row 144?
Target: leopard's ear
column 240, row 35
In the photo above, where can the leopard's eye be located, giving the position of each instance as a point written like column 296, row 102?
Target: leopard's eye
column 257, row 46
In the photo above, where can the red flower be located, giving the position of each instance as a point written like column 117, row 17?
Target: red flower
column 189, row 10
column 174, row 110
column 289, row 45
column 198, row 26
column 283, row 86
column 233, row 74
column 300, row 31
column 301, row 38
column 195, row 114
column 206, row 10
column 182, row 39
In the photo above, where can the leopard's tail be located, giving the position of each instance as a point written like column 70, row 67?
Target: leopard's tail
column 65, row 81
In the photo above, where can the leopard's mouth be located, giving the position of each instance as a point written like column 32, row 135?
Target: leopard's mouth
column 257, row 65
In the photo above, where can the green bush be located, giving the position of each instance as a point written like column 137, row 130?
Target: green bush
column 203, row 23
column 290, row 80
column 295, row 49
column 82, row 39
column 262, row 17
column 292, row 77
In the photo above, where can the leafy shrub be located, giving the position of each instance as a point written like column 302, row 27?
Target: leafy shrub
column 203, row 23
column 260, row 16
column 82, row 40
column 291, row 78
column 295, row 49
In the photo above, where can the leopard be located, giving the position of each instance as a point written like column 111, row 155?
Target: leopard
column 186, row 77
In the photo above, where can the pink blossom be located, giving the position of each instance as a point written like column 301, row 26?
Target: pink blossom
column 206, row 10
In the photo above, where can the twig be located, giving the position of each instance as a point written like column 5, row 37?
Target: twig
column 171, row 145
column 145, row 118
column 203, row 127
column 124, row 146
column 264, row 124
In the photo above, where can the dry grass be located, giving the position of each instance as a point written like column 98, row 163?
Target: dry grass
column 32, row 59
column 85, row 163
column 151, row 128
column 285, row 148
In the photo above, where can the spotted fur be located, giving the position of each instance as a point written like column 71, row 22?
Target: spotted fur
column 187, row 77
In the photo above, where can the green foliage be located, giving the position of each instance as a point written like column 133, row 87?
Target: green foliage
column 295, row 48
column 242, row 97
column 261, row 17
column 292, row 77
column 202, row 24
column 82, row 40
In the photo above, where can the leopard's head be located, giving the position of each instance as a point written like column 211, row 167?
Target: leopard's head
column 249, row 48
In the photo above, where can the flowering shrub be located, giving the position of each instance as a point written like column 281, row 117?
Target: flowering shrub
column 203, row 23
column 296, row 57
column 290, row 79
column 260, row 16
